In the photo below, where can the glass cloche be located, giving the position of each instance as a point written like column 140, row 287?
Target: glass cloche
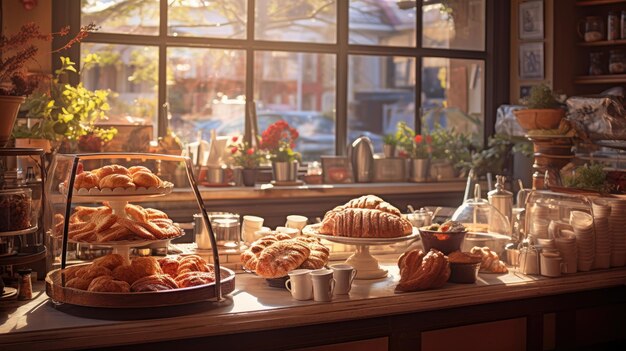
column 486, row 225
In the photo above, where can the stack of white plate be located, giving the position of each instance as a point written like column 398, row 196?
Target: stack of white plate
column 583, row 229
column 566, row 244
column 617, row 224
column 601, row 214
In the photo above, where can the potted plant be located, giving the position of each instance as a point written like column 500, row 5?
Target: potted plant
column 279, row 140
column 246, row 157
column 417, row 148
column 451, row 153
column 67, row 113
column 389, row 145
column 543, row 110
column 17, row 51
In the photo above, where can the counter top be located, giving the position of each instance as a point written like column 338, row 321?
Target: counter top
column 254, row 306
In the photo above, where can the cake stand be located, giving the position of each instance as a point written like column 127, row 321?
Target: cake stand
column 366, row 265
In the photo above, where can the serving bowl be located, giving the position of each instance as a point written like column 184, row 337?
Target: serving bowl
column 445, row 242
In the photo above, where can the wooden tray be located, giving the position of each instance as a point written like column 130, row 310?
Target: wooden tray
column 181, row 296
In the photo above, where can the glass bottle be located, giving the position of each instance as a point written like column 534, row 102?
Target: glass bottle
column 593, row 28
column 612, row 28
column 623, row 25
column 24, row 286
column 617, row 62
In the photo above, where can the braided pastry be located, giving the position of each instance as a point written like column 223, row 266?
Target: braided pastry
column 318, row 257
column 146, row 179
column 156, row 282
column 192, row 263
column 250, row 257
column 86, row 180
column 111, row 169
column 281, row 257
column 421, row 272
column 490, row 261
column 365, row 223
column 115, row 180
column 107, row 284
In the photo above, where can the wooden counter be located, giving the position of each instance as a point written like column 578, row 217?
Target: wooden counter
column 256, row 316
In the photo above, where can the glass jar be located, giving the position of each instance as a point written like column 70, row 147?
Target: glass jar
column 15, row 209
column 612, row 28
column 592, row 28
column 24, row 284
column 617, row 62
column 595, row 63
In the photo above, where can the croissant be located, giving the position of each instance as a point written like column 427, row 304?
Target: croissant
column 490, row 260
column 116, row 181
column 138, row 268
column 146, row 179
column 188, row 279
column 134, row 169
column 156, row 282
column 250, row 257
column 169, row 266
column 421, row 272
column 365, row 223
column 318, row 257
column 107, row 284
column 86, row 180
column 111, row 261
column 111, row 169
column 281, row 257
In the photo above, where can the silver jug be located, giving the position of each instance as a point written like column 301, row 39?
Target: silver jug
column 501, row 198
column 361, row 155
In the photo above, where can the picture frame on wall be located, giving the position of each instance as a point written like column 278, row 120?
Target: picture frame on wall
column 531, row 20
column 531, row 61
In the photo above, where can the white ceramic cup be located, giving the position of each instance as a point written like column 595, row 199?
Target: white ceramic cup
column 323, row 284
column 296, row 222
column 300, row 284
column 551, row 265
column 249, row 226
column 292, row 232
column 344, row 276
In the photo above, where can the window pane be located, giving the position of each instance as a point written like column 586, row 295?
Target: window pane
column 205, row 91
column 299, row 88
column 311, row 21
column 122, row 16
column 453, row 95
column 131, row 73
column 382, row 22
column 454, row 24
column 217, row 19
column 381, row 93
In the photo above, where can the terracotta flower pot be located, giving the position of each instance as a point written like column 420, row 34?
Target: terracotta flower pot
column 539, row 119
column 9, row 106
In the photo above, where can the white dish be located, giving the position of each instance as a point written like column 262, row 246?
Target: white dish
column 313, row 231
column 165, row 188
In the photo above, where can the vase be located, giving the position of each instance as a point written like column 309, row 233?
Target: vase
column 9, row 106
column 389, row 150
column 420, row 168
column 285, row 171
column 249, row 176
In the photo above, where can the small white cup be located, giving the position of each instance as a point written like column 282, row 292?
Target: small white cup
column 300, row 284
column 344, row 276
column 249, row 226
column 296, row 222
column 551, row 265
column 323, row 284
column 292, row 232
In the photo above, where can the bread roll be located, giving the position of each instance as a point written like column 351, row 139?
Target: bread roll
column 281, row 257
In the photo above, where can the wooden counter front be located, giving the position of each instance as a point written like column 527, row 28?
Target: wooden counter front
column 256, row 316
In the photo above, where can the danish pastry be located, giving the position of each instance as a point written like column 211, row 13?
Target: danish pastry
column 146, row 179
column 421, row 272
column 192, row 263
column 86, row 180
column 107, row 284
column 156, row 282
column 281, row 257
column 111, row 169
column 250, row 257
column 318, row 257
column 136, row 212
column 490, row 261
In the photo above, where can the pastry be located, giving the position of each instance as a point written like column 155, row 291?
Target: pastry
column 146, row 179
column 107, row 284
column 111, row 169
column 155, row 214
column 169, row 266
column 115, row 180
column 490, row 261
column 70, row 272
column 188, row 279
column 91, row 272
column 250, row 257
column 135, row 169
column 464, row 257
column 136, row 212
column 281, row 257
column 421, row 272
column 161, row 228
column 138, row 268
column 156, row 282
column 78, row 283
column 365, row 223
column 136, row 228
column 86, row 180
column 192, row 263
column 372, row 202
column 318, row 257
column 115, row 233
column 111, row 261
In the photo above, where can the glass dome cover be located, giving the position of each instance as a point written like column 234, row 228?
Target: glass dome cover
column 479, row 216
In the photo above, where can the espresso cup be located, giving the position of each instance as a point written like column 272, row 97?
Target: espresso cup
column 344, row 275
column 323, row 284
column 296, row 222
column 300, row 284
column 551, row 265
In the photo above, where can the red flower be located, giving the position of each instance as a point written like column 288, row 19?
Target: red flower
column 250, row 151
column 402, row 154
column 235, row 138
column 233, row 150
column 429, row 139
column 418, row 138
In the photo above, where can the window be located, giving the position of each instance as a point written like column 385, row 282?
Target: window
column 334, row 69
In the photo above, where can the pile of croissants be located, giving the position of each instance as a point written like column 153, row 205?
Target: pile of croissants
column 111, row 273
column 116, row 176
column 431, row 270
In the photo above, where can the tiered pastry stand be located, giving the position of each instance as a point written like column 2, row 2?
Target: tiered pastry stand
column 118, row 198
column 38, row 252
column 366, row 265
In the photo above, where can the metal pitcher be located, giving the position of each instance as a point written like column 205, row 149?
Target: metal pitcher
column 361, row 155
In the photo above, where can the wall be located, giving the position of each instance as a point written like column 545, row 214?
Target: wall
column 14, row 16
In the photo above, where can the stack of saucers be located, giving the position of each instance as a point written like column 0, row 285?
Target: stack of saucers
column 617, row 224
column 566, row 244
column 583, row 229
column 601, row 214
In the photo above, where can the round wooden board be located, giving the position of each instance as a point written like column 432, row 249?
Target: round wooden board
column 61, row 294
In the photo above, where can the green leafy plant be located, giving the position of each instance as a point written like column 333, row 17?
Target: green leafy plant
column 541, row 97
column 66, row 112
column 456, row 147
column 244, row 155
column 592, row 177
column 390, row 139
column 413, row 145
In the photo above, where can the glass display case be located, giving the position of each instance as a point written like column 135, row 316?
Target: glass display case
column 100, row 201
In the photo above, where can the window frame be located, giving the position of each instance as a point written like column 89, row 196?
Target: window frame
column 495, row 56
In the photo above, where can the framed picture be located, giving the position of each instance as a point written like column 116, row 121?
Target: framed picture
column 531, row 20
column 336, row 170
column 531, row 61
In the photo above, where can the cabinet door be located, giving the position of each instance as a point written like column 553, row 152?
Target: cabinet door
column 378, row 344
column 507, row 334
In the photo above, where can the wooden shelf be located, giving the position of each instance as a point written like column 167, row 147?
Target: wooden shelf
column 599, row 2
column 601, row 79
column 603, row 43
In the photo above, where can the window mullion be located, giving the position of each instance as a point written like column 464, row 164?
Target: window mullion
column 162, row 110
column 341, row 83
column 418, row 66
column 250, row 102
